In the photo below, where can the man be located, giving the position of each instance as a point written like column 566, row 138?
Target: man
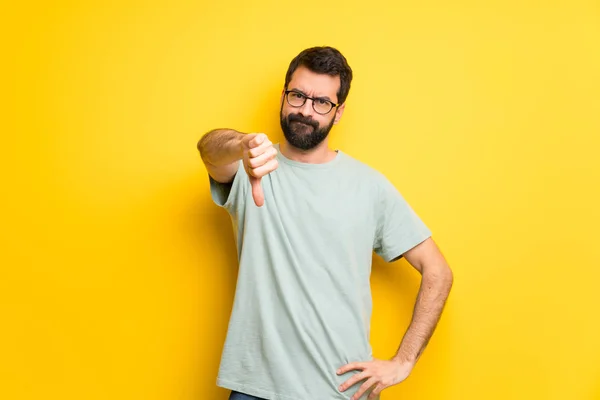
column 306, row 220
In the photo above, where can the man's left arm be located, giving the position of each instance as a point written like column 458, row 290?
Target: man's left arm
column 436, row 282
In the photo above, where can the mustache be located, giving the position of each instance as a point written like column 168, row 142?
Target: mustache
column 303, row 119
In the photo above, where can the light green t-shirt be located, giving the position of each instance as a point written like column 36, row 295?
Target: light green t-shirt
column 302, row 305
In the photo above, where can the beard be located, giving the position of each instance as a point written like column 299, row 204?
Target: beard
column 303, row 133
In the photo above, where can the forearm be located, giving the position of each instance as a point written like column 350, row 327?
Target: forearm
column 434, row 290
column 221, row 147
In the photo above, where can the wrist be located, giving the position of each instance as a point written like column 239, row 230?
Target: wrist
column 404, row 360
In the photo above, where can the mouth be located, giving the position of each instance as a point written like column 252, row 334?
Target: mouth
column 302, row 124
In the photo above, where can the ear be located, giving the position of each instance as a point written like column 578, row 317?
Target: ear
column 338, row 113
column 282, row 97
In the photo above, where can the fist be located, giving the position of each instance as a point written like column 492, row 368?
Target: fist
column 259, row 160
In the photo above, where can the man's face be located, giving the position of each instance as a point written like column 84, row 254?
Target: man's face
column 302, row 126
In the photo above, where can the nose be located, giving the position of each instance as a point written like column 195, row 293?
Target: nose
column 306, row 109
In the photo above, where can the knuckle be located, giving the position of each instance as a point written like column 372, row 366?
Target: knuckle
column 254, row 152
column 261, row 138
column 255, row 172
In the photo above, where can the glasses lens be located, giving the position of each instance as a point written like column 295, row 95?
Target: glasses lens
column 322, row 106
column 295, row 99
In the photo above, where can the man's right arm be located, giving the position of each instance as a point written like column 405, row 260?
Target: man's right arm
column 221, row 149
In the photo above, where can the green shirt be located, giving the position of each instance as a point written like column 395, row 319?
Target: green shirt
column 302, row 305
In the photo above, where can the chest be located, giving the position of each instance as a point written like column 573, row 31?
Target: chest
column 325, row 207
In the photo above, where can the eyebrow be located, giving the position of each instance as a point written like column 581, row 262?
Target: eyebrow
column 317, row 97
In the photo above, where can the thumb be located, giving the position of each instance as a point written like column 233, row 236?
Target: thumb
column 257, row 192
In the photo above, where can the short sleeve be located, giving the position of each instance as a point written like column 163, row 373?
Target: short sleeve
column 399, row 229
column 229, row 195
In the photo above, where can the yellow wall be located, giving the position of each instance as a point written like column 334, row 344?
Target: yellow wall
column 118, row 272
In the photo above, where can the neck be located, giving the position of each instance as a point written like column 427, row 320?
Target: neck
column 318, row 155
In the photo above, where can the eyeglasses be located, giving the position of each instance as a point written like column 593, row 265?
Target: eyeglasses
column 320, row 105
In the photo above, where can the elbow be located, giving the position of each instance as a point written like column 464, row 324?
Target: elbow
column 440, row 276
column 449, row 277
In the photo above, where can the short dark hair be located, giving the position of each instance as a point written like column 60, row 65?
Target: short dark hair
column 324, row 60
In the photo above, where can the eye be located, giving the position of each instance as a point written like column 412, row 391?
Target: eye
column 296, row 95
column 322, row 102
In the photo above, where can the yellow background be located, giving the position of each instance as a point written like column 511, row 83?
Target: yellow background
column 118, row 272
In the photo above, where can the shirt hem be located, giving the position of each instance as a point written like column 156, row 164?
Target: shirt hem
column 398, row 252
column 252, row 391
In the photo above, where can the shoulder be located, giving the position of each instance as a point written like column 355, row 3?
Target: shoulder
column 365, row 173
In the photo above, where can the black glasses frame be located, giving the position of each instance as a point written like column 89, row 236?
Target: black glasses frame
column 305, row 97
